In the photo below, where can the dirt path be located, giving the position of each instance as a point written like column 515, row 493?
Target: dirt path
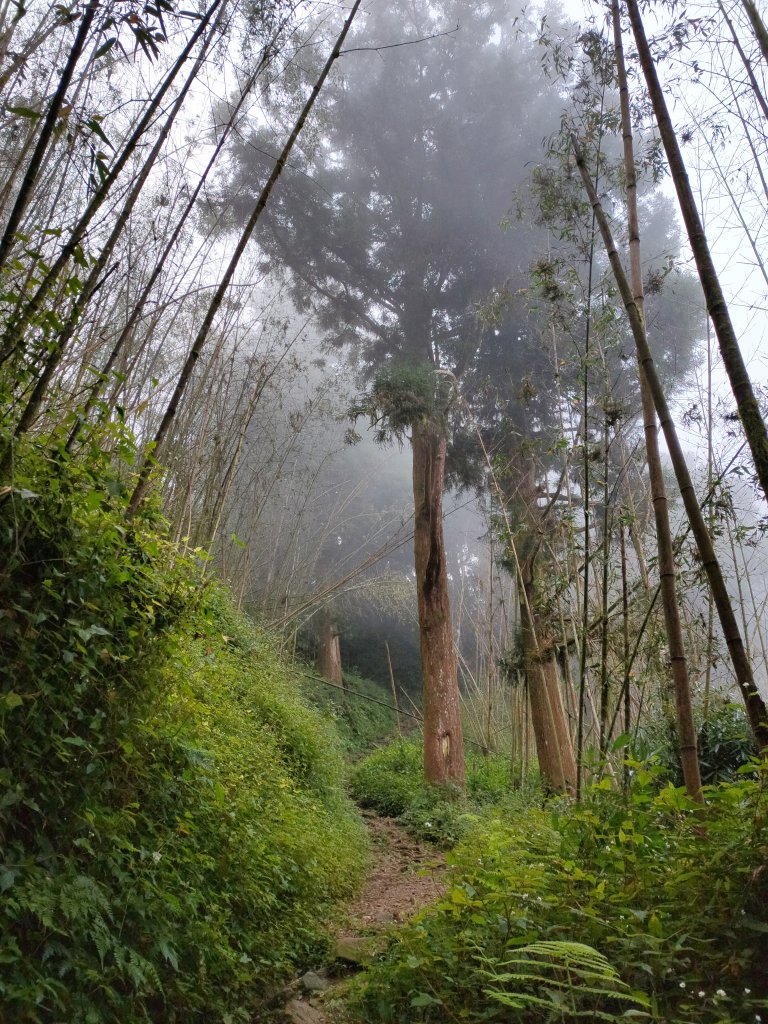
column 405, row 876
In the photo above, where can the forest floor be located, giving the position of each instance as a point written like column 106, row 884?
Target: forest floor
column 405, row 876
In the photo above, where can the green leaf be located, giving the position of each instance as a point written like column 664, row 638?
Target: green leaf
column 12, row 700
column 425, row 999
column 33, row 115
column 7, row 878
column 169, row 953
column 105, row 48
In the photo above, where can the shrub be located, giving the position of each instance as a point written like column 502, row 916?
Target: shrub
column 361, row 723
column 723, row 740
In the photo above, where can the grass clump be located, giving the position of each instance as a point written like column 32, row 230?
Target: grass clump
column 647, row 909
column 172, row 827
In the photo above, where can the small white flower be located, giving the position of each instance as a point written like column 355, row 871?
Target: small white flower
column 747, row 991
column 682, row 984
column 720, row 994
column 156, row 856
column 427, row 824
column 702, row 993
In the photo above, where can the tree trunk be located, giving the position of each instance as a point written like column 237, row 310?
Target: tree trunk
column 329, row 651
column 553, row 739
column 443, row 740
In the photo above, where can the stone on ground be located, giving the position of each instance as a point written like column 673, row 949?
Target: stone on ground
column 299, row 1012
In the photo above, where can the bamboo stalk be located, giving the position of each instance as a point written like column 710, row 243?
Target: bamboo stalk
column 142, row 482
column 14, row 333
column 394, row 690
column 756, row 710
column 667, row 572
column 746, row 401
column 46, row 133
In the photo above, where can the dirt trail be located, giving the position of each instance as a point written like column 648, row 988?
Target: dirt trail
column 395, row 889
column 405, row 876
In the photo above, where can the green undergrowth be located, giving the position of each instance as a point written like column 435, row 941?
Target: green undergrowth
column 360, row 723
column 391, row 781
column 723, row 742
column 646, row 909
column 173, row 830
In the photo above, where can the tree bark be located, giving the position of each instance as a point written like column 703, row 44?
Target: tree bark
column 329, row 651
column 443, row 739
column 554, row 747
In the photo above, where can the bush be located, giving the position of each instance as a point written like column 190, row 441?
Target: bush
column 391, row 780
column 171, row 825
column 652, row 909
column 723, row 739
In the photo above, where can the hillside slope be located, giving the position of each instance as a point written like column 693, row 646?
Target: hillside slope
column 173, row 828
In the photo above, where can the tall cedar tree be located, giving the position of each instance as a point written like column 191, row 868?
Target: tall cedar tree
column 392, row 233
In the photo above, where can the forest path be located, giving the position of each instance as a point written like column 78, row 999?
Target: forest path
column 405, row 876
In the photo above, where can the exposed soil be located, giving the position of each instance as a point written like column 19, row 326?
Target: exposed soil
column 405, row 876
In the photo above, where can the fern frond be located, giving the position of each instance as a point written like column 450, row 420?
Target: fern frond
column 577, row 978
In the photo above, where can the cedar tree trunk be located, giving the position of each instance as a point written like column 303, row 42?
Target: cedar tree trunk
column 329, row 651
column 443, row 741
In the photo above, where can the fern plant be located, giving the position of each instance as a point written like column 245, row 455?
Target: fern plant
column 561, row 981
